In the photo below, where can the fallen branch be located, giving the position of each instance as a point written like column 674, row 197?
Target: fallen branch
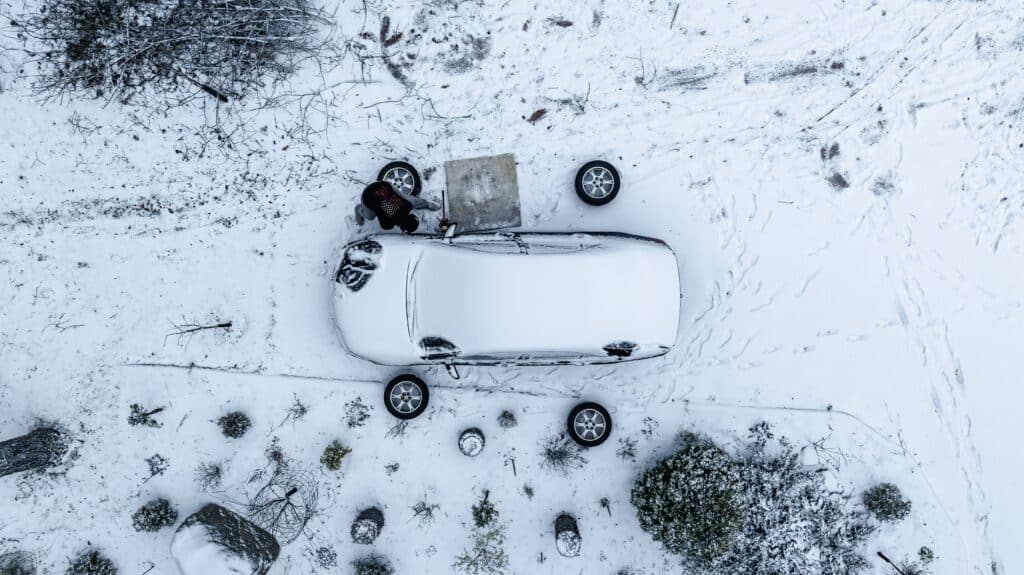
column 185, row 331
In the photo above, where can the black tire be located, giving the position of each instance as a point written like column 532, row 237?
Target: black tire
column 406, row 396
column 608, row 178
column 597, row 434
column 398, row 179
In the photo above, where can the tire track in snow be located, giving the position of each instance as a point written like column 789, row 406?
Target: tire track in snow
column 235, row 370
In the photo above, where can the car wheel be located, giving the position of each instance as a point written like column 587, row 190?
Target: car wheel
column 589, row 424
column 597, row 183
column 406, row 396
column 402, row 176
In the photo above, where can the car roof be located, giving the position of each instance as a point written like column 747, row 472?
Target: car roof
column 613, row 288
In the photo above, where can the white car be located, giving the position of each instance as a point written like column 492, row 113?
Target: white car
column 507, row 299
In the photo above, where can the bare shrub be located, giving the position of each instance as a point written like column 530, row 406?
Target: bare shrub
column 157, row 465
column 561, row 455
column 627, row 449
column 487, row 554
column 297, row 411
column 424, row 512
column 128, row 49
column 209, row 475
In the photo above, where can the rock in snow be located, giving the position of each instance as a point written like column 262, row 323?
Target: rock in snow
column 471, row 442
column 367, row 526
column 218, row 541
column 567, row 536
column 41, row 448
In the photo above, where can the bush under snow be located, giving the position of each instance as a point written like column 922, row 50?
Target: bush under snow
column 372, row 565
column 123, row 48
column 886, row 502
column 691, row 501
column 762, row 512
column 91, row 562
column 154, row 516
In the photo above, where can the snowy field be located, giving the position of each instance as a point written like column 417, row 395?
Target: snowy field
column 841, row 182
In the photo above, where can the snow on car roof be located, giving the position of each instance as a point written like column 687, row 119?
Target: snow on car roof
column 490, row 303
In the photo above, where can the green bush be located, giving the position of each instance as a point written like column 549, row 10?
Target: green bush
column 334, row 454
column 886, row 502
column 691, row 501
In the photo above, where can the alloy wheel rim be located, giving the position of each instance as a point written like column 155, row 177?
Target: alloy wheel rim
column 406, row 397
column 589, row 424
column 598, row 182
column 401, row 179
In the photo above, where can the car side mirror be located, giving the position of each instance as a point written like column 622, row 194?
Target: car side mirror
column 449, row 232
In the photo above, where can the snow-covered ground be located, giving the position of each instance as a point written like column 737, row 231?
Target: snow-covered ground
column 840, row 182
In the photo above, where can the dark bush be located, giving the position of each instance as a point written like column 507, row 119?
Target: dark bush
column 154, row 516
column 484, row 512
column 234, row 424
column 142, row 416
column 17, row 563
column 91, row 562
column 691, row 501
column 507, row 420
column 886, row 502
column 325, row 557
column 122, row 48
column 372, row 565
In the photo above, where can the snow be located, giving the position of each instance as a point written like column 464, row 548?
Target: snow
column 491, row 301
column 595, row 291
column 373, row 322
column 881, row 317
column 196, row 554
column 218, row 541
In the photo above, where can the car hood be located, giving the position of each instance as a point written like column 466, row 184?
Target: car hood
column 373, row 319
